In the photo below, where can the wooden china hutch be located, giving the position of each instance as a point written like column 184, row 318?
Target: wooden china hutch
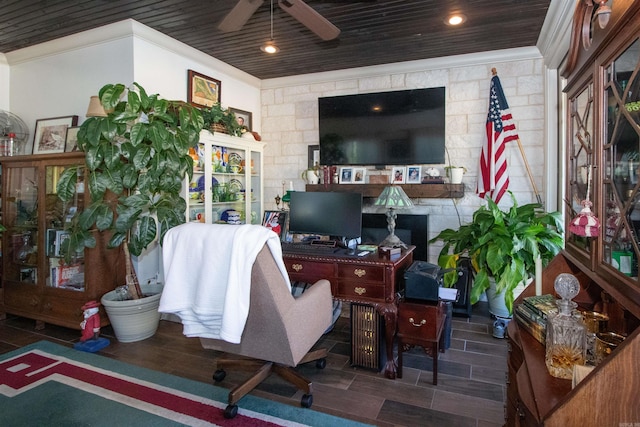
column 603, row 150
column 37, row 282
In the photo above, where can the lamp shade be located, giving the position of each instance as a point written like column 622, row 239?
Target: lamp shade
column 95, row 108
column 393, row 196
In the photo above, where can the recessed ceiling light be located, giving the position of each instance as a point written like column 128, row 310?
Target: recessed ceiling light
column 456, row 19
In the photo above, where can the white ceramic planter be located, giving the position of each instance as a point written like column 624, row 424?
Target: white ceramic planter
column 497, row 306
column 455, row 174
column 134, row 320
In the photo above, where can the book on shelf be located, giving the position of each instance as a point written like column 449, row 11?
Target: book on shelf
column 533, row 328
column 527, row 312
column 68, row 276
column 542, row 305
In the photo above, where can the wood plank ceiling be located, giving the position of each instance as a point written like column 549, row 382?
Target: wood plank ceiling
column 373, row 32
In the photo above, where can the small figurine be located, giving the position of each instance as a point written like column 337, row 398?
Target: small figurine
column 91, row 323
column 91, row 341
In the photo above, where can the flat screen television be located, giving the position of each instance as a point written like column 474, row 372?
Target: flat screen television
column 404, row 127
column 334, row 214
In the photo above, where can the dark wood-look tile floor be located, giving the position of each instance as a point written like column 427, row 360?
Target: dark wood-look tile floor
column 471, row 386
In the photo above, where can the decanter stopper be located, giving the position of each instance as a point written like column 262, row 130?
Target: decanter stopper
column 567, row 286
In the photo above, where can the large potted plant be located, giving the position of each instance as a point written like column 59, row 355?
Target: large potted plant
column 503, row 247
column 137, row 157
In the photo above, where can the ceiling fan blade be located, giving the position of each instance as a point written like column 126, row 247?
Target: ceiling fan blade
column 311, row 19
column 239, row 15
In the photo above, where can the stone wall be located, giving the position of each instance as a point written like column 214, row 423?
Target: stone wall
column 290, row 125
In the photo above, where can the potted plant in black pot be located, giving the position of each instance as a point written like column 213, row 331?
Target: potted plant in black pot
column 503, row 247
column 137, row 157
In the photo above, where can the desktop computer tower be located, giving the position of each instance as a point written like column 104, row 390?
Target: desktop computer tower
column 367, row 337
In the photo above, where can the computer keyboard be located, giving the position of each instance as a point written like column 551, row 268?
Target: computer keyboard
column 306, row 248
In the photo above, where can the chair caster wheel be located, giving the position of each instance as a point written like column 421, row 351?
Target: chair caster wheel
column 219, row 375
column 306, row 401
column 230, row 411
column 321, row 363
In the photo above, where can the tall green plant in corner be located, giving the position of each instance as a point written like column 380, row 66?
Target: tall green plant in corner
column 136, row 159
column 502, row 245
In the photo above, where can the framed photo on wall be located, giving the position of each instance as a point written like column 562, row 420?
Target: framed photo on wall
column 313, row 156
column 398, row 175
column 51, row 134
column 359, row 175
column 71, row 142
column 203, row 91
column 346, row 175
column 413, row 174
column 244, row 118
column 276, row 221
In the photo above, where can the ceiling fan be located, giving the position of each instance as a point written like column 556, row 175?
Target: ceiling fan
column 301, row 11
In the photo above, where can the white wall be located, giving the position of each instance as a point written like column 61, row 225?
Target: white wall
column 4, row 83
column 290, row 122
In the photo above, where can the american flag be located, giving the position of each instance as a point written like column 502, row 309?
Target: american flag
column 493, row 178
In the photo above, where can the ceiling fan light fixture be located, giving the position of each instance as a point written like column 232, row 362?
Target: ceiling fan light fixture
column 269, row 47
column 456, row 19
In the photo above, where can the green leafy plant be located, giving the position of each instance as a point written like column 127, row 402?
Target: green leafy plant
column 503, row 245
column 218, row 115
column 136, row 159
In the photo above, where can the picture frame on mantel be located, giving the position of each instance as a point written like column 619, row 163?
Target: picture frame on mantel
column 51, row 134
column 203, row 91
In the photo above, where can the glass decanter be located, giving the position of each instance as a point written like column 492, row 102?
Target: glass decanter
column 566, row 333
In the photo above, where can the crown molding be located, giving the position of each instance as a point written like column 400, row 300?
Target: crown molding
column 504, row 55
column 555, row 35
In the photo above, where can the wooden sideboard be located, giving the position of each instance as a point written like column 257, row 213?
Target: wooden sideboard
column 373, row 279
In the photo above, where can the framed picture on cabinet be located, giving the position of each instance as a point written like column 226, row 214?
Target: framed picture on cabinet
column 359, row 175
column 51, row 134
column 71, row 141
column 313, row 156
column 413, row 174
column 398, row 175
column 346, row 175
column 276, row 221
column 243, row 118
column 203, row 91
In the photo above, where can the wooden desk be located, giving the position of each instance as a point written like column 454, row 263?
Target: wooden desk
column 372, row 279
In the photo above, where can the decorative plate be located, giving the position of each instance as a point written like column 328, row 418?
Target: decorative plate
column 235, row 186
column 200, row 186
column 235, row 159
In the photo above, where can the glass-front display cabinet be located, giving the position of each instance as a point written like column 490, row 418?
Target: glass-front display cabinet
column 38, row 282
column 621, row 196
column 227, row 182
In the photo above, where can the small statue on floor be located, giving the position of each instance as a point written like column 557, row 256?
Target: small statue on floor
column 91, row 341
column 91, row 323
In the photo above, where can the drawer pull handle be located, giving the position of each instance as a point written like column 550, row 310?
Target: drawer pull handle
column 297, row 267
column 360, row 291
column 413, row 322
column 359, row 272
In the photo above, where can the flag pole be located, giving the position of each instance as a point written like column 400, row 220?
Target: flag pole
column 524, row 158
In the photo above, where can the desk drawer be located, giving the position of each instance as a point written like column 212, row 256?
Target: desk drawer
column 361, row 272
column 420, row 321
column 359, row 290
column 323, row 270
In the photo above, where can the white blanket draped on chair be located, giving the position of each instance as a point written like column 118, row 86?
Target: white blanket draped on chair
column 207, row 271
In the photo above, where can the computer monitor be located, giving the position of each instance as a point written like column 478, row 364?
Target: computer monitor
column 334, row 214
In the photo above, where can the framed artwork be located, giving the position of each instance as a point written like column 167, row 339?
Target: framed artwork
column 359, row 175
column 313, row 156
column 203, row 91
column 413, row 174
column 276, row 221
column 51, row 134
column 71, row 141
column 243, row 118
column 398, row 175
column 346, row 175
